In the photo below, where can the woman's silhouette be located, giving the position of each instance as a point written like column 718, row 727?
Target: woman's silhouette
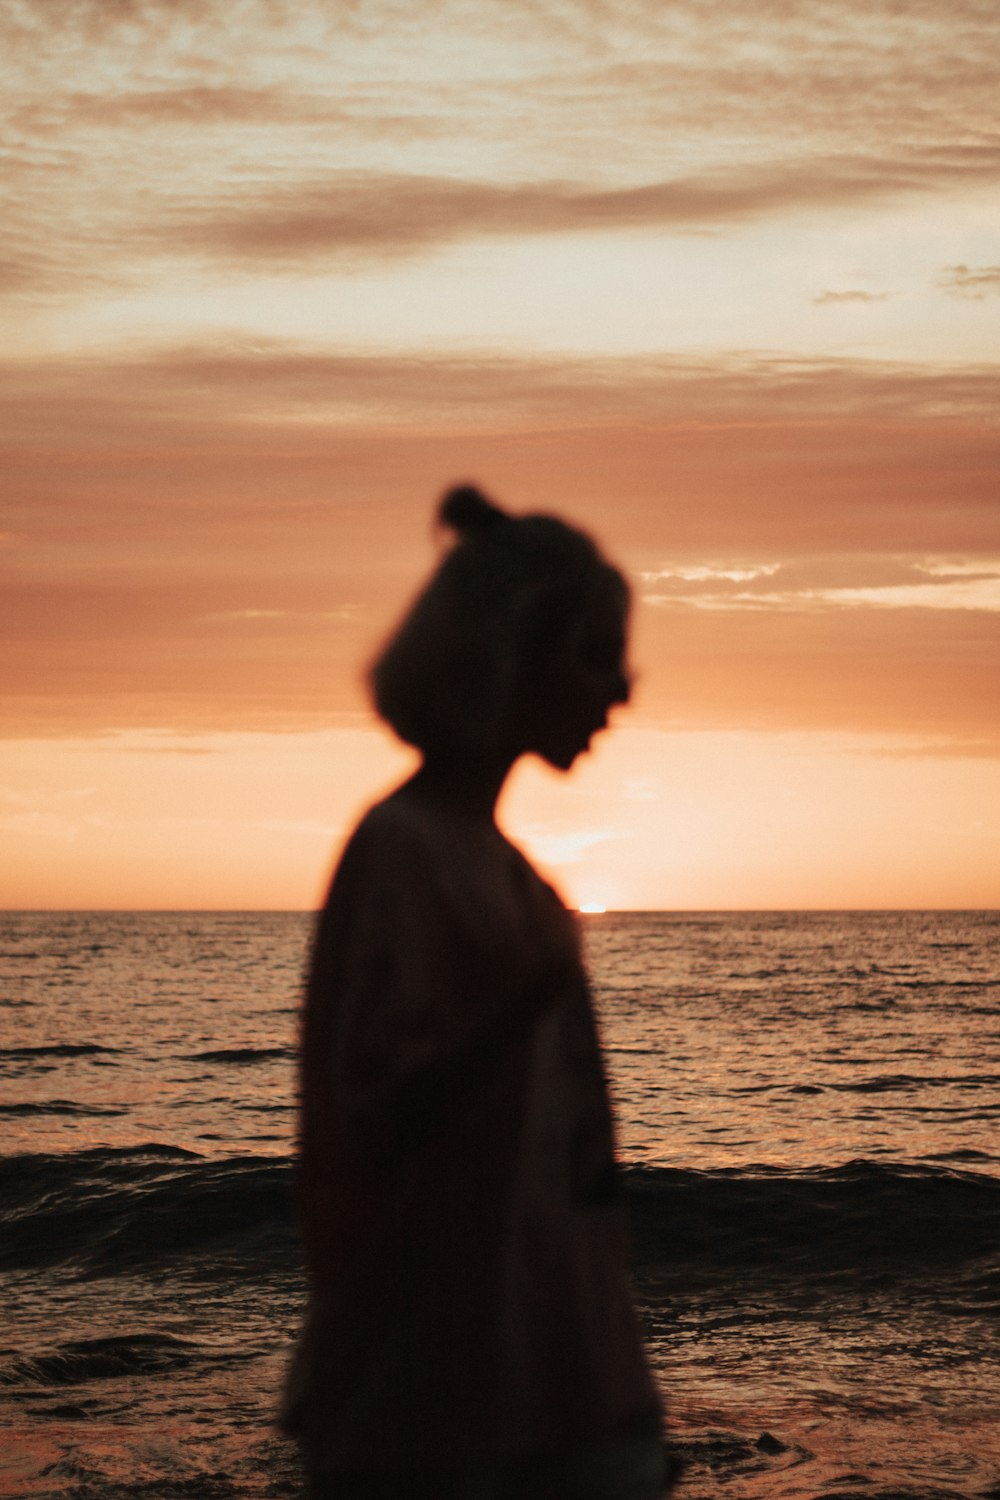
column 470, row 1329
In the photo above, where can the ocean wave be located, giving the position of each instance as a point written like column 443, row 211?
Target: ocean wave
column 936, row 983
column 886, row 1082
column 240, row 1055
column 883, row 1083
column 110, row 1212
column 59, row 1107
column 61, row 1049
column 104, row 1213
column 862, row 1221
column 961, row 1155
column 100, row 1359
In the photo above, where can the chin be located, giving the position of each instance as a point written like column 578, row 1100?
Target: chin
column 564, row 757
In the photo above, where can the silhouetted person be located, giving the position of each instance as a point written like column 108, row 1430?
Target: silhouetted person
column 470, row 1330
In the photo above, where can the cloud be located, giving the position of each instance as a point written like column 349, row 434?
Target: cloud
column 261, row 135
column 225, row 616
column 343, row 614
column 971, row 281
column 221, row 111
column 355, row 220
column 280, row 467
column 911, row 672
column 827, row 297
column 355, row 216
column 201, row 104
column 193, row 392
column 832, row 583
column 701, row 573
column 951, row 748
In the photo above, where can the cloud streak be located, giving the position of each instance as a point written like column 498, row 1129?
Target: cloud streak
column 355, row 220
column 971, row 281
column 394, row 215
column 236, row 381
column 872, row 584
column 825, row 298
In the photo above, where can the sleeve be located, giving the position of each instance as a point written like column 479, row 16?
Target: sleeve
column 420, row 984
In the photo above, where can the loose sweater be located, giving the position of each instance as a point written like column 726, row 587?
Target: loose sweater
column 461, row 1203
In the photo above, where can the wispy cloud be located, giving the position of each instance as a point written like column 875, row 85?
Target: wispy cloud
column 234, row 382
column 876, row 583
column 971, row 281
column 825, row 298
column 710, row 573
column 354, row 220
column 395, row 215
column 343, row 614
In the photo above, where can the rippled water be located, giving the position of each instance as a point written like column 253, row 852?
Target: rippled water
column 803, row 1038
column 808, row 1104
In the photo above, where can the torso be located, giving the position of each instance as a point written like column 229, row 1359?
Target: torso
column 460, row 1196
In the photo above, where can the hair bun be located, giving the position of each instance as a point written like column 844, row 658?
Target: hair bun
column 465, row 510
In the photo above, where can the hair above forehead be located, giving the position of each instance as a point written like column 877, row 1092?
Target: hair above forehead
column 509, row 585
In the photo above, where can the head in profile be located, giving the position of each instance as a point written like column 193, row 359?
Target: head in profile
column 515, row 646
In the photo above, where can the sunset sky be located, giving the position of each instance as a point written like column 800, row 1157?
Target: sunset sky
column 719, row 281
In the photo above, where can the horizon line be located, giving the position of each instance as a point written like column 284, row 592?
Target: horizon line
column 609, row 911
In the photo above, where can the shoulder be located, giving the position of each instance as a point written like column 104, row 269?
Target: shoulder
column 393, row 830
column 398, row 848
column 418, row 840
column 431, row 861
column 383, row 874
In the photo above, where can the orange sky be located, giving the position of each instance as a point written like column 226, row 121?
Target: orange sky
column 721, row 283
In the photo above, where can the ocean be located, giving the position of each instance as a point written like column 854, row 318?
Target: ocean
column 808, row 1113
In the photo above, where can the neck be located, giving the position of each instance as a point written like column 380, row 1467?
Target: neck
column 468, row 785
